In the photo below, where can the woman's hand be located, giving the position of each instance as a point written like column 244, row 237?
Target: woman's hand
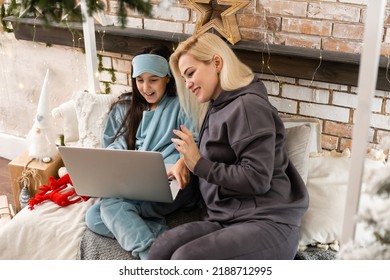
column 181, row 173
column 187, row 147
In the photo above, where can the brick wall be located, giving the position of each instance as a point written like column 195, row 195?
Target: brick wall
column 335, row 25
column 334, row 104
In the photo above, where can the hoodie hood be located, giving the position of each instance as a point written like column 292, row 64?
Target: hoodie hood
column 255, row 87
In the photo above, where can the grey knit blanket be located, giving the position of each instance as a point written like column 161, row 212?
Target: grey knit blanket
column 96, row 247
column 315, row 253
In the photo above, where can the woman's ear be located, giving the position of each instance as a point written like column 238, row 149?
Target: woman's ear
column 218, row 62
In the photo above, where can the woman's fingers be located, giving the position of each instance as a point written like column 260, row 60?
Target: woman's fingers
column 180, row 172
column 186, row 145
column 184, row 133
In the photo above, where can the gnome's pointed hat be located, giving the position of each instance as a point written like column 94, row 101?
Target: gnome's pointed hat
column 40, row 139
column 42, row 118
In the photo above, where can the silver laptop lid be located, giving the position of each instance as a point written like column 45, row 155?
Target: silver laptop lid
column 137, row 175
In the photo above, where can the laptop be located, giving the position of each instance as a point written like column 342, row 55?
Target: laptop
column 138, row 175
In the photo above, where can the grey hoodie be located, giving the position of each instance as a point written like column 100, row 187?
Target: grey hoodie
column 244, row 172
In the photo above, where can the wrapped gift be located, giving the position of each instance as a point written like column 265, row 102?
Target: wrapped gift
column 28, row 174
column 5, row 211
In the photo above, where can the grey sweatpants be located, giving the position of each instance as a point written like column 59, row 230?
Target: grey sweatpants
column 258, row 239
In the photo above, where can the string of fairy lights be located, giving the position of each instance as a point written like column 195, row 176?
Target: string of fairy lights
column 266, row 48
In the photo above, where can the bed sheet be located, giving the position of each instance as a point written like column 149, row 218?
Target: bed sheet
column 48, row 232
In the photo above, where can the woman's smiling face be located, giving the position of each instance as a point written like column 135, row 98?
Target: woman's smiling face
column 152, row 88
column 201, row 78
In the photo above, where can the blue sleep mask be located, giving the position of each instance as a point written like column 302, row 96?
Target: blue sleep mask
column 150, row 63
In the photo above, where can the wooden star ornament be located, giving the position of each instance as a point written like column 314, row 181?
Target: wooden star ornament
column 219, row 15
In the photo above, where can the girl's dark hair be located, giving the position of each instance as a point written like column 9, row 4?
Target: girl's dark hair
column 137, row 103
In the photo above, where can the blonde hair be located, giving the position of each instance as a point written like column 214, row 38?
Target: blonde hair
column 203, row 47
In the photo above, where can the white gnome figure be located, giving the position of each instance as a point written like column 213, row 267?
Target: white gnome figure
column 41, row 140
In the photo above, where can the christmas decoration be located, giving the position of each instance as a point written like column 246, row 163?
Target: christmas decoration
column 24, row 196
column 53, row 192
column 375, row 217
column 41, row 140
column 55, row 11
column 12, row 9
column 25, row 181
column 213, row 14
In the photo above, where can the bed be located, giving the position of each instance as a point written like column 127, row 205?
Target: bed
column 51, row 232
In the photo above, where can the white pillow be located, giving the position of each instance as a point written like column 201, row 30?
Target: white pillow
column 92, row 110
column 327, row 184
column 297, row 145
column 67, row 113
column 315, row 134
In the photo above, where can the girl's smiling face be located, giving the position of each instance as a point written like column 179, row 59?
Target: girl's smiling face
column 201, row 78
column 152, row 88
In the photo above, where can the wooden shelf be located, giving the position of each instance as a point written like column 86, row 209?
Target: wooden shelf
column 288, row 61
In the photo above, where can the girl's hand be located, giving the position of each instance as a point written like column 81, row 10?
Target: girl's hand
column 180, row 172
column 187, row 147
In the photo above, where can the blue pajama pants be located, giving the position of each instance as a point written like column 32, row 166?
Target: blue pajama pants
column 126, row 221
column 136, row 224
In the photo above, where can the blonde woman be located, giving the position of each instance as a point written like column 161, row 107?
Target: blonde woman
column 253, row 196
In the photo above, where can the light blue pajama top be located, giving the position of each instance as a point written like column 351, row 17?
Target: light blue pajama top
column 155, row 130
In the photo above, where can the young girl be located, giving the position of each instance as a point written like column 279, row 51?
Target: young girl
column 144, row 120
column 254, row 196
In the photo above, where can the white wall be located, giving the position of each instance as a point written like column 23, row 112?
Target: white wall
column 23, row 66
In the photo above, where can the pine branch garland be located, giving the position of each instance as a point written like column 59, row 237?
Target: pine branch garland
column 12, row 8
column 56, row 11
column 144, row 7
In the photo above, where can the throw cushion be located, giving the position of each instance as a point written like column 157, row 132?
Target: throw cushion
column 92, row 110
column 66, row 113
column 327, row 184
column 297, row 145
column 315, row 133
